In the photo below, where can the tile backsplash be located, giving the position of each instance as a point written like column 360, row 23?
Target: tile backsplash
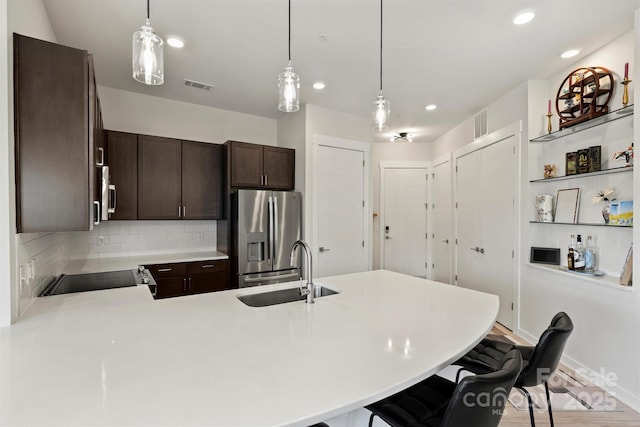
column 124, row 238
column 41, row 257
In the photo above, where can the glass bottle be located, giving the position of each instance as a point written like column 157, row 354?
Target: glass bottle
column 571, row 253
column 590, row 256
column 570, row 260
column 578, row 254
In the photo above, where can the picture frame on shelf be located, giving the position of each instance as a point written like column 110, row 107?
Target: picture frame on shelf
column 595, row 158
column 567, row 203
column 583, row 161
column 571, row 163
column 627, row 269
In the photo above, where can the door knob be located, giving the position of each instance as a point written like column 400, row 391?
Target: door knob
column 446, row 241
column 323, row 249
column 387, row 237
column 477, row 249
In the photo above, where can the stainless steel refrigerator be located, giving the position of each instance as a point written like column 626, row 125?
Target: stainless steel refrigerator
column 267, row 223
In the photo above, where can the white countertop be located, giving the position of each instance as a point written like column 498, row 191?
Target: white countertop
column 117, row 356
column 98, row 265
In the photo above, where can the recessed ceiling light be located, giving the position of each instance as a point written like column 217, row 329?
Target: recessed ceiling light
column 431, row 107
column 524, row 17
column 318, row 85
column 175, row 42
column 570, row 53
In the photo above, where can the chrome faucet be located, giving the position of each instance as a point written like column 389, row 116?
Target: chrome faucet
column 309, row 290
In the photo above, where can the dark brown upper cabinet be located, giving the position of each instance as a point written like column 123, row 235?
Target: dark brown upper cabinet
column 56, row 115
column 122, row 155
column 178, row 179
column 260, row 166
column 201, row 180
column 159, row 178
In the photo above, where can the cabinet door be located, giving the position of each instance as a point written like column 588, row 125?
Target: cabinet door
column 245, row 162
column 199, row 283
column 279, row 168
column 201, row 180
column 159, row 178
column 51, row 84
column 168, row 287
column 122, row 156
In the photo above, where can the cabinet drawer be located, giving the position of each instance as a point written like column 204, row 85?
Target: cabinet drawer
column 204, row 267
column 199, row 283
column 170, row 287
column 168, row 270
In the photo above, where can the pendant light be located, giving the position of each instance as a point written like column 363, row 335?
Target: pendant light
column 381, row 108
column 148, row 62
column 289, row 83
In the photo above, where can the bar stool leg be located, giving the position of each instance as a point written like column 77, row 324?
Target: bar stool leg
column 546, row 388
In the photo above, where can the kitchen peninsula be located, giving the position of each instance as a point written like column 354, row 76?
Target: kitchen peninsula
column 118, row 356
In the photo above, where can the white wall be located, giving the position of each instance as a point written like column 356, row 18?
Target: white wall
column 137, row 113
column 390, row 151
column 46, row 250
column 323, row 121
column 605, row 339
column 606, row 336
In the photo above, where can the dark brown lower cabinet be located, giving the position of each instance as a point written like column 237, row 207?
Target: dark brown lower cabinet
column 188, row 278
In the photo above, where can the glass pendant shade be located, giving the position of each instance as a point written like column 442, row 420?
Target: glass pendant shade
column 148, row 58
column 288, row 90
column 381, row 113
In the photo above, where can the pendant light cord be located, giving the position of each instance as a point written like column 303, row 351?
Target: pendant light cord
column 289, row 30
column 147, row 9
column 380, row 46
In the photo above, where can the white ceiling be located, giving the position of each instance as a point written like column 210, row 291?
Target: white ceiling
column 459, row 54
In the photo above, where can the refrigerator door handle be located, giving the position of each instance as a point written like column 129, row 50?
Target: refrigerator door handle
column 276, row 220
column 270, row 231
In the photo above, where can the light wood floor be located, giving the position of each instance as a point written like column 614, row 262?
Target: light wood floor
column 623, row 416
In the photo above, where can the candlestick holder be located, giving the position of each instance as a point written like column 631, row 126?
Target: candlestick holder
column 549, row 115
column 625, row 92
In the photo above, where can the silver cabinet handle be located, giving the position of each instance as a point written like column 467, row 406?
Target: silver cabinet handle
column 208, row 266
column 184, row 285
column 323, row 249
column 179, row 210
column 101, row 161
column 96, row 212
column 266, row 180
column 189, row 287
column 112, row 191
column 184, row 212
column 164, row 270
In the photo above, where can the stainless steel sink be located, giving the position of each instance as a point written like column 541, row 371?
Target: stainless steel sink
column 282, row 296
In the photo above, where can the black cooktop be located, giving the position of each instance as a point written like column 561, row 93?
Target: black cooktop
column 66, row 284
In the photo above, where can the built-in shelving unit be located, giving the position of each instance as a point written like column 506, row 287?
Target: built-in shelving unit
column 606, row 280
column 588, row 224
column 584, row 175
column 548, row 148
column 609, row 117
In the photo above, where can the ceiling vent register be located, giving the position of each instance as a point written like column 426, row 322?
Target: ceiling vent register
column 198, row 85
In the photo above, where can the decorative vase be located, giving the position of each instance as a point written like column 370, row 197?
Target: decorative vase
column 605, row 211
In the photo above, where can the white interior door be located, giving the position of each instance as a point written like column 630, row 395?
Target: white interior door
column 441, row 215
column 341, row 218
column 485, row 215
column 405, row 220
